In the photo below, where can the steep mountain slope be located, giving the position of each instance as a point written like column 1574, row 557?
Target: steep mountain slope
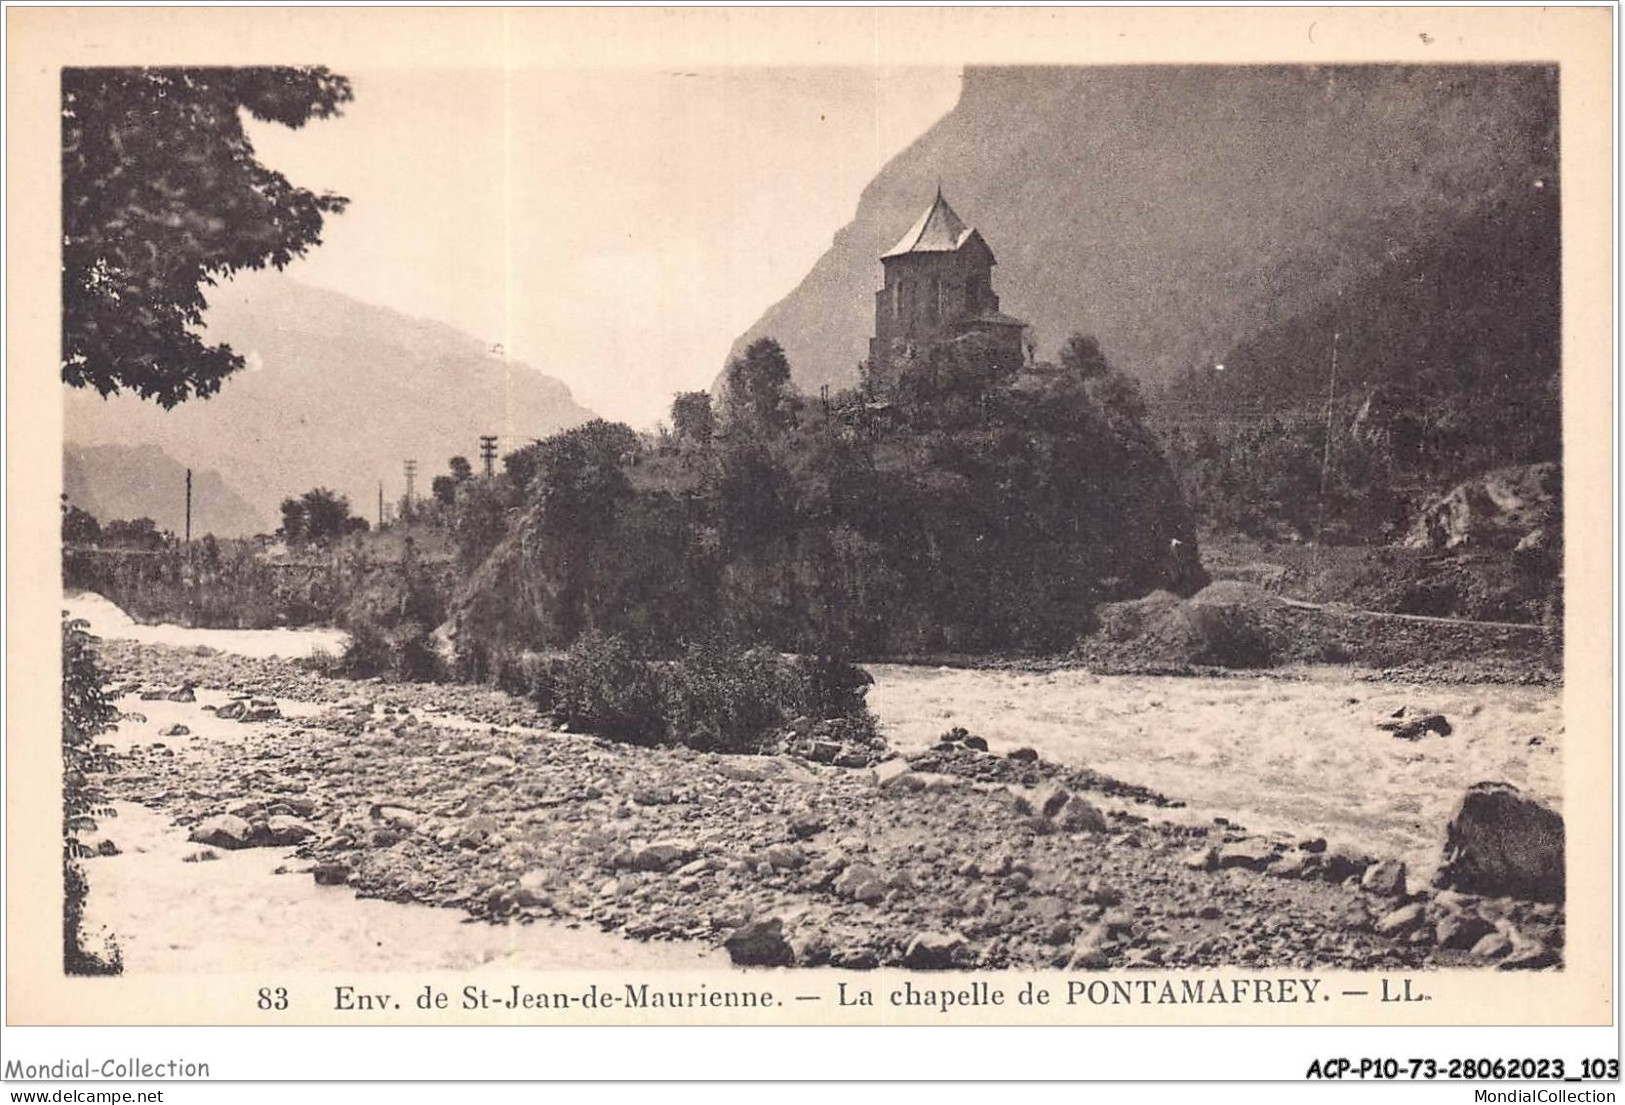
column 1447, row 366
column 336, row 393
column 142, row 481
column 1177, row 211
column 1468, row 319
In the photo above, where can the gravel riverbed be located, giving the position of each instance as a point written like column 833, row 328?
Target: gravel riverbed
column 465, row 798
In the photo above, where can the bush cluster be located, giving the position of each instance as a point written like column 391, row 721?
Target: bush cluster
column 714, row 696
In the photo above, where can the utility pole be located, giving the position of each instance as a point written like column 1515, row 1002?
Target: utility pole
column 411, row 476
column 488, row 453
column 1326, row 452
column 380, row 504
column 189, row 508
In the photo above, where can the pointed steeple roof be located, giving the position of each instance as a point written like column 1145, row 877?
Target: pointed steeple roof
column 939, row 230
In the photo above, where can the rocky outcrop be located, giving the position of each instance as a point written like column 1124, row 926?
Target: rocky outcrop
column 1501, row 843
column 1519, row 507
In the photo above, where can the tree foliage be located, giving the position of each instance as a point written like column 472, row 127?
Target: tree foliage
column 319, row 516
column 135, row 533
column 693, row 420
column 79, row 527
column 974, row 505
column 87, row 713
column 758, row 384
column 162, row 194
column 1082, row 356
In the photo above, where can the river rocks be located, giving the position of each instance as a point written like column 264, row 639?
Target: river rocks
column 1295, row 864
column 1251, row 854
column 471, row 833
column 1342, row 863
column 224, row 831
column 805, row 825
column 785, row 857
column 1080, row 815
column 1412, row 723
column 933, row 951
column 232, row 831
column 283, row 830
column 1461, row 931
column 662, row 855
column 1402, row 921
column 331, row 874
column 1385, row 879
column 1355, row 917
column 959, row 736
column 176, row 730
column 891, row 773
column 1092, row 950
column 1501, row 843
column 1023, row 755
column 186, row 692
column 397, row 817
column 100, row 846
column 1051, row 800
column 860, row 883
column 760, row 944
column 1203, row 859
column 1527, row 954
column 252, row 708
column 1053, row 807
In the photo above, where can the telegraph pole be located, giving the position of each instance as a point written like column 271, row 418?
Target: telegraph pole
column 411, row 475
column 380, row 504
column 1326, row 452
column 188, row 508
column 488, row 453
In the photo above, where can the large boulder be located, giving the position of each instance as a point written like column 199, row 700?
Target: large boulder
column 760, row 944
column 1501, row 843
column 933, row 951
column 224, row 831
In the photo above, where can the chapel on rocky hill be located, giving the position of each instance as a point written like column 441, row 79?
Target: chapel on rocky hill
column 939, row 285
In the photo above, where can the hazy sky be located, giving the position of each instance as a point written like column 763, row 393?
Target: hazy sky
column 615, row 229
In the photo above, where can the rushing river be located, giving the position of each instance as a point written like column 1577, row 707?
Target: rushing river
column 107, row 620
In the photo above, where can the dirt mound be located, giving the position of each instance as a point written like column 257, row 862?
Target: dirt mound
column 1226, row 624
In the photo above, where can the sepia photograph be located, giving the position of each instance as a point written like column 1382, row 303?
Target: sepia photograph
column 818, row 540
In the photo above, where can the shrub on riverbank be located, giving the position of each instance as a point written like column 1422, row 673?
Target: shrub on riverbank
column 87, row 713
column 601, row 687
column 714, row 696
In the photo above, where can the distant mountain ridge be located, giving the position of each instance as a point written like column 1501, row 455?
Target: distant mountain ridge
column 1177, row 212
column 337, row 393
column 142, row 481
